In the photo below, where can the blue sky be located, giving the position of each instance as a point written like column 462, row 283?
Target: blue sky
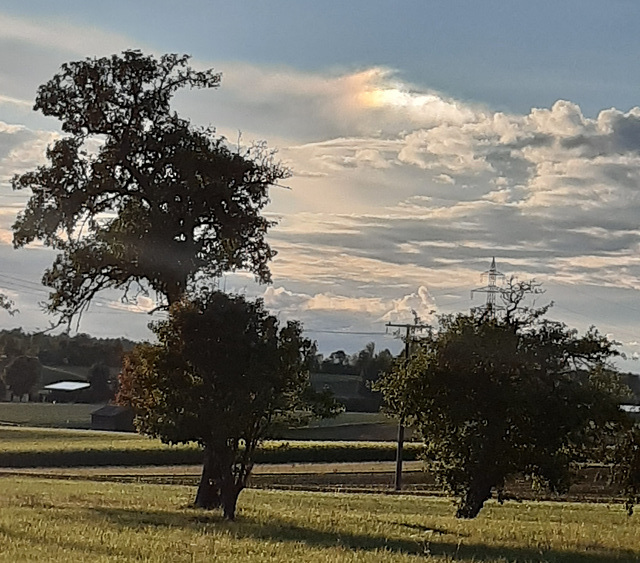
column 510, row 55
column 425, row 138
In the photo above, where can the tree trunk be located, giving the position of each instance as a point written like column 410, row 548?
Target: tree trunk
column 208, row 495
column 229, row 501
column 473, row 500
column 229, row 491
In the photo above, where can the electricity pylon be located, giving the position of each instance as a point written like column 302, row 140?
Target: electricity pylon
column 492, row 288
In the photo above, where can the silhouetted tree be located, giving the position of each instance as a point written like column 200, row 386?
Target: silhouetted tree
column 102, row 386
column 626, row 463
column 22, row 374
column 371, row 366
column 222, row 374
column 135, row 197
column 505, row 391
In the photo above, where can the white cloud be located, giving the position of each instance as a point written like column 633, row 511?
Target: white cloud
column 57, row 34
column 395, row 186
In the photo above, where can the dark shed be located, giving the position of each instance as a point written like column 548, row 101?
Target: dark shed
column 113, row 417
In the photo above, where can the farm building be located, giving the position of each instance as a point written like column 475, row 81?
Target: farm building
column 64, row 391
column 113, row 417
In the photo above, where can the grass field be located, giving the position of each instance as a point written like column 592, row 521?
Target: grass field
column 47, row 415
column 346, row 426
column 45, row 521
column 35, row 447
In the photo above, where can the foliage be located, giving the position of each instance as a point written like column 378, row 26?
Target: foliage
column 102, row 385
column 7, row 304
column 626, row 458
column 13, row 343
column 632, row 380
column 337, row 363
column 502, row 392
column 222, row 374
column 22, row 374
column 371, row 367
column 64, row 350
column 135, row 196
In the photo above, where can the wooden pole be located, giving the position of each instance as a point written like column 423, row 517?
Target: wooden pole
column 400, row 446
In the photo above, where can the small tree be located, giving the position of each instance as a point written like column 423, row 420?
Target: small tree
column 102, row 387
column 371, row 366
column 626, row 460
column 501, row 392
column 222, row 374
column 134, row 195
column 22, row 374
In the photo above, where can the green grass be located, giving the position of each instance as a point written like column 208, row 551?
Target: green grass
column 346, row 426
column 346, row 418
column 41, row 447
column 46, row 521
column 47, row 415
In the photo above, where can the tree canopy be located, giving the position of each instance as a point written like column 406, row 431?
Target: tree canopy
column 495, row 393
column 22, row 374
column 135, row 197
column 102, row 385
column 222, row 374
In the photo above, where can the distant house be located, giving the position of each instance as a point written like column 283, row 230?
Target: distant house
column 64, row 391
column 113, row 417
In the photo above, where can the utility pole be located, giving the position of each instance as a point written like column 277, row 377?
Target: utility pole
column 491, row 289
column 410, row 329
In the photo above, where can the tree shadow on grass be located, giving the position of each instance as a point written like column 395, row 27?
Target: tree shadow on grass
column 435, row 541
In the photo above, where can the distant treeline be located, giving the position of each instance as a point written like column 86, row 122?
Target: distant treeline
column 62, row 349
column 632, row 380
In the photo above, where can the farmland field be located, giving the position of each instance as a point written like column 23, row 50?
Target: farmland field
column 45, row 521
column 346, row 426
column 43, row 447
column 47, row 415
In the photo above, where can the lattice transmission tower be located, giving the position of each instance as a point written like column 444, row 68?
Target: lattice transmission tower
column 492, row 288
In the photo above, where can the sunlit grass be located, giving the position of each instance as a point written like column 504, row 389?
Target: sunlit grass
column 35, row 447
column 81, row 521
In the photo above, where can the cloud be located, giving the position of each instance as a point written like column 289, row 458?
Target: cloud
column 21, row 104
column 58, row 35
column 395, row 187
column 387, row 310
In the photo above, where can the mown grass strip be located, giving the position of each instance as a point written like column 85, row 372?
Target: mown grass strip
column 26, row 447
column 44, row 521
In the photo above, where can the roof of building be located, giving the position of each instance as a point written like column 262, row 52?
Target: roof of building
column 67, row 386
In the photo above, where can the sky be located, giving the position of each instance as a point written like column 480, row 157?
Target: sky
column 424, row 138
